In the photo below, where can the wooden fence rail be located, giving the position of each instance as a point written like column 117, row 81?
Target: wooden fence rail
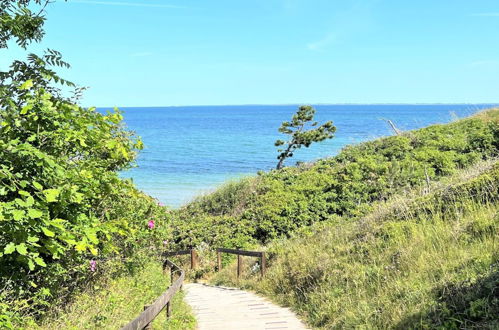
column 240, row 253
column 192, row 252
column 150, row 312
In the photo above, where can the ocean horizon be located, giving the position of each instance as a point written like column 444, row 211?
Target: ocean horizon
column 191, row 150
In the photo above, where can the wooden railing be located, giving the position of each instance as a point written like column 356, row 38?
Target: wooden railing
column 192, row 252
column 240, row 253
column 150, row 312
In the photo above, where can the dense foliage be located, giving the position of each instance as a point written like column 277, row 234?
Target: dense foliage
column 424, row 259
column 275, row 204
column 62, row 203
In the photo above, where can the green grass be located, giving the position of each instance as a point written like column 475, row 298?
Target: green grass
column 425, row 259
column 113, row 304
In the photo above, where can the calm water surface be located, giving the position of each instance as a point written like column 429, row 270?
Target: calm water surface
column 191, row 150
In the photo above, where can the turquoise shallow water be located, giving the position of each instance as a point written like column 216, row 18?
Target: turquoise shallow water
column 191, row 150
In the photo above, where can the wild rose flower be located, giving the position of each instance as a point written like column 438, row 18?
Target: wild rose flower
column 150, row 224
column 93, row 265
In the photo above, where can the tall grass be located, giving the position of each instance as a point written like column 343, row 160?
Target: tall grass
column 112, row 304
column 422, row 260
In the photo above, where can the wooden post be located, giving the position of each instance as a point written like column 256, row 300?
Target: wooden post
column 239, row 265
column 262, row 264
column 194, row 259
column 168, row 310
column 219, row 261
column 148, row 326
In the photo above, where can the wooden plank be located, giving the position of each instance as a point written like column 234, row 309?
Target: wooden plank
column 148, row 326
column 168, row 309
column 219, row 261
column 263, row 263
column 241, row 252
column 152, row 311
column 239, row 265
column 194, row 259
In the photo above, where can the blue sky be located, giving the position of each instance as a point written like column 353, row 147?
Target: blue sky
column 172, row 52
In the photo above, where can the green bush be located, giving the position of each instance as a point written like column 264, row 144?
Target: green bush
column 62, row 203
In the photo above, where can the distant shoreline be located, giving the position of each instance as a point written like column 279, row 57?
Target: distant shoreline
column 297, row 104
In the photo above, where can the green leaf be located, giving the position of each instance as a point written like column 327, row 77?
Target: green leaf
column 51, row 195
column 37, row 185
column 9, row 248
column 18, row 214
column 48, row 232
column 33, row 239
column 20, row 202
column 39, row 261
column 24, row 193
column 58, row 223
column 26, row 108
column 26, row 85
column 31, row 265
column 34, row 213
column 30, row 201
column 81, row 246
column 21, row 249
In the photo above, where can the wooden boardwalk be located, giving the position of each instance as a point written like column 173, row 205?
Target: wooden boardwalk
column 221, row 308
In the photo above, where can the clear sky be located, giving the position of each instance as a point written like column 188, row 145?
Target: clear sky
column 200, row 52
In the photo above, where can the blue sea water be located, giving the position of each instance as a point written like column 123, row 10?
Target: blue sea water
column 191, row 150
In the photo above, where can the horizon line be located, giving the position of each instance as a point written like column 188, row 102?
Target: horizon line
column 295, row 104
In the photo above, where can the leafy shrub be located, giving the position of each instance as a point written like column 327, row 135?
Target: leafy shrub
column 62, row 203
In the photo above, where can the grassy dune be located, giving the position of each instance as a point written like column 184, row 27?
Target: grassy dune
column 425, row 259
column 277, row 203
column 404, row 231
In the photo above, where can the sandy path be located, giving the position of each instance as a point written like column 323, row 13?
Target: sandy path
column 218, row 308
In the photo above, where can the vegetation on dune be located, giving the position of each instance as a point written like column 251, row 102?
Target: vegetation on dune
column 425, row 259
column 403, row 230
column 276, row 203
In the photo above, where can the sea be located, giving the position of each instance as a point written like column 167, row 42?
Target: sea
column 191, row 150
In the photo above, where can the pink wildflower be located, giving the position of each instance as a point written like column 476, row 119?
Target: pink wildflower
column 93, row 265
column 165, row 243
column 150, row 224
